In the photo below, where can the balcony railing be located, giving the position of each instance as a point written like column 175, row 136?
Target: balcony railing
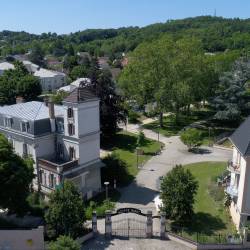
column 57, row 166
column 232, row 167
column 232, row 191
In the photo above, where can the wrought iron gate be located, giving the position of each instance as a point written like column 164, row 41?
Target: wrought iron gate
column 129, row 227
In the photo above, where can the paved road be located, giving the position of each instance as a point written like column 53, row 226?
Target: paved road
column 100, row 243
column 141, row 192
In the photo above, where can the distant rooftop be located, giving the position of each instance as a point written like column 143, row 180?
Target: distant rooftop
column 6, row 66
column 47, row 73
column 81, row 82
column 30, row 110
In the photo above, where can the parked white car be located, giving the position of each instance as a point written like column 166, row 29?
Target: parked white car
column 158, row 203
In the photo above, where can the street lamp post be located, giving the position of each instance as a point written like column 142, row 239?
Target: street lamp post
column 137, row 157
column 106, row 183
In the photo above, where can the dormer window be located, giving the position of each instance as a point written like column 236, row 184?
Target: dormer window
column 25, row 126
column 70, row 113
column 8, row 122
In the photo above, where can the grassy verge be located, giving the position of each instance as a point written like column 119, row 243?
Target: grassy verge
column 124, row 144
column 211, row 222
column 100, row 204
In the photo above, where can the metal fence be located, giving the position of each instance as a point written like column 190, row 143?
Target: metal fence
column 203, row 238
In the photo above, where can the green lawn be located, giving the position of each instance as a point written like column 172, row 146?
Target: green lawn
column 211, row 222
column 124, row 145
column 210, row 139
column 210, row 215
column 170, row 127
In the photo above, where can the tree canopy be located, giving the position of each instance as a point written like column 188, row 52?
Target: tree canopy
column 232, row 98
column 178, row 190
column 65, row 214
column 18, row 82
column 174, row 74
column 16, row 175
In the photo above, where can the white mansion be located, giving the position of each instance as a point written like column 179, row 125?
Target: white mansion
column 64, row 141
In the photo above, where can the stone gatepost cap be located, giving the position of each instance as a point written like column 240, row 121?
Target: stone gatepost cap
column 94, row 212
column 108, row 211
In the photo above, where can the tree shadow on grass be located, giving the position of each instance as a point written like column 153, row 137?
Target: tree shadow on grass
column 206, row 223
column 123, row 141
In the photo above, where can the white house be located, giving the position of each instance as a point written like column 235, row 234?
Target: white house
column 63, row 140
column 80, row 82
column 50, row 80
column 5, row 66
column 239, row 167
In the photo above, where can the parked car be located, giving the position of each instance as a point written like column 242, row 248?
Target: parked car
column 158, row 203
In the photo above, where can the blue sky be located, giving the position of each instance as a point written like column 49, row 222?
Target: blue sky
column 65, row 16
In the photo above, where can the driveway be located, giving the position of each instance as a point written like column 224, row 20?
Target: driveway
column 100, row 243
column 141, row 192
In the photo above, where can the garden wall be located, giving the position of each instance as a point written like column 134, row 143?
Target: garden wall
column 22, row 239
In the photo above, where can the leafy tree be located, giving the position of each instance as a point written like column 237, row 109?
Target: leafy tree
column 141, row 139
column 65, row 214
column 172, row 74
column 16, row 175
column 29, row 87
column 18, row 82
column 37, row 54
column 78, row 72
column 64, row 243
column 111, row 104
column 191, row 137
column 231, row 99
column 178, row 190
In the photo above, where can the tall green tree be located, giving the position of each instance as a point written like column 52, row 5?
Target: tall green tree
column 232, row 99
column 16, row 175
column 112, row 110
column 178, row 190
column 37, row 54
column 174, row 74
column 18, row 82
column 65, row 214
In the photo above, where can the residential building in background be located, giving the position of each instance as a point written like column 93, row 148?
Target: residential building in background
column 63, row 140
column 50, row 80
column 239, row 167
column 5, row 66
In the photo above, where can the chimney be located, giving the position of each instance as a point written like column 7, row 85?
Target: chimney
column 46, row 100
column 19, row 99
column 51, row 107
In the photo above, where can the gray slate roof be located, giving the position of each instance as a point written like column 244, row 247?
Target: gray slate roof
column 30, row 110
column 241, row 138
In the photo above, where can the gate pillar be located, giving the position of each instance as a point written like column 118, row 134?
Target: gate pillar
column 163, row 225
column 149, row 229
column 94, row 222
column 108, row 224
